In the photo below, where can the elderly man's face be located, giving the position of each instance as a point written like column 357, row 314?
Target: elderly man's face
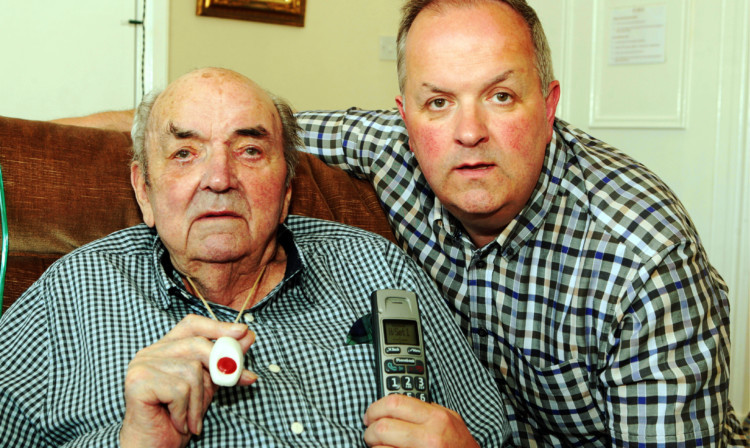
column 216, row 168
column 477, row 120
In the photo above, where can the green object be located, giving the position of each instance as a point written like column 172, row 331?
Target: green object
column 4, row 252
column 361, row 331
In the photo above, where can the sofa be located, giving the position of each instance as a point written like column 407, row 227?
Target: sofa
column 68, row 185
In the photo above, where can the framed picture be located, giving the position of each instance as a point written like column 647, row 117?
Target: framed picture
column 283, row 12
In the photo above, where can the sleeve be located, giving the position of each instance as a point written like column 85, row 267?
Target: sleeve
column 352, row 139
column 24, row 374
column 28, row 376
column 457, row 380
column 667, row 376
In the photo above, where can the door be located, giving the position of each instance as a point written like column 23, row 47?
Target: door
column 62, row 58
column 675, row 99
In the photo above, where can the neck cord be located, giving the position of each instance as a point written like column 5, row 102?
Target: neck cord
column 247, row 299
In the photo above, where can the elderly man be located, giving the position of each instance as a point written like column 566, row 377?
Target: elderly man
column 575, row 272
column 112, row 344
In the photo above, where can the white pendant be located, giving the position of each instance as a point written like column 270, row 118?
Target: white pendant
column 226, row 362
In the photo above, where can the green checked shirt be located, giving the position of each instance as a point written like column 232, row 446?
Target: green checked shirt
column 596, row 309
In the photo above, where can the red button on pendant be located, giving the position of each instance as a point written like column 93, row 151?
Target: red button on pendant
column 226, row 365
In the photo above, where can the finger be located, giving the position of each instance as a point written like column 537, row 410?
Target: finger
column 248, row 377
column 183, row 343
column 400, row 407
column 173, row 386
column 183, row 378
column 247, row 340
column 194, row 325
column 209, row 390
column 200, row 394
column 393, row 433
column 404, row 422
column 196, row 349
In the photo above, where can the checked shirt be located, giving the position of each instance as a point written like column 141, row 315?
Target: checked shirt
column 66, row 344
column 596, row 309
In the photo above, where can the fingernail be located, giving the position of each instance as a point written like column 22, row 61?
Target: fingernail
column 200, row 428
column 239, row 329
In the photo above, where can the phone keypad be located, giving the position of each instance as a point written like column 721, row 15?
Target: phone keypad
column 406, row 376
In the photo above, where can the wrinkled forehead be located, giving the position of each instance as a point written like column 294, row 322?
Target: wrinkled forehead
column 214, row 100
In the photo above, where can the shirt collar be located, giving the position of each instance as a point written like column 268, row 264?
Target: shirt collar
column 171, row 285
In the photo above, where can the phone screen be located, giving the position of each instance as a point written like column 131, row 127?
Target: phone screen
column 400, row 332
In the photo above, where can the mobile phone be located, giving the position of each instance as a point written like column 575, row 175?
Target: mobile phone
column 400, row 359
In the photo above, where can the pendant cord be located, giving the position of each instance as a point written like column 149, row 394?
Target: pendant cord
column 247, row 299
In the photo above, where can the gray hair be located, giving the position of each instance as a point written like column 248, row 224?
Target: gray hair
column 412, row 8
column 290, row 133
column 138, row 132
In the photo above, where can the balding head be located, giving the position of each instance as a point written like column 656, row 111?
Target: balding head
column 154, row 104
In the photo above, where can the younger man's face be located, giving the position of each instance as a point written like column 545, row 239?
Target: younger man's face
column 473, row 105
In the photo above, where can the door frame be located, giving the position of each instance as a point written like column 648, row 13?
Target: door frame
column 730, row 233
column 156, row 56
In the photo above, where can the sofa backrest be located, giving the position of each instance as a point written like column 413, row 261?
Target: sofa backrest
column 66, row 186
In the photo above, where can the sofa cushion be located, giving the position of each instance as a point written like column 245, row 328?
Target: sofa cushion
column 66, row 186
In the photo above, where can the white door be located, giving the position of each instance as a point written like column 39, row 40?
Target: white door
column 679, row 105
column 63, row 58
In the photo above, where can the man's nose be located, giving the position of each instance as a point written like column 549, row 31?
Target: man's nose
column 219, row 174
column 471, row 126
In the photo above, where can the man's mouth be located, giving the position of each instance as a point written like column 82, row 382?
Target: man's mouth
column 475, row 167
column 219, row 214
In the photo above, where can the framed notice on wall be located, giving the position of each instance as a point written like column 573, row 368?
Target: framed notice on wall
column 283, row 12
column 637, row 35
column 640, row 64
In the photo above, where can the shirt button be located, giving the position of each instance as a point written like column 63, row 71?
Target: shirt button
column 481, row 264
column 248, row 318
column 274, row 368
column 298, row 428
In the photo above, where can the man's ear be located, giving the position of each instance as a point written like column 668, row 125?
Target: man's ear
column 402, row 111
column 553, row 97
column 287, row 201
column 138, row 180
column 400, row 104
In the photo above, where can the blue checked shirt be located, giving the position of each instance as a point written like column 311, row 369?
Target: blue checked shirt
column 596, row 309
column 67, row 342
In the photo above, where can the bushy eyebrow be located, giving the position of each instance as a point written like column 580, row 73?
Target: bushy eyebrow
column 255, row 132
column 259, row 132
column 180, row 134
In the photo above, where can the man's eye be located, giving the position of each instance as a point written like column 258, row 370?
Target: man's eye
column 251, row 151
column 182, row 154
column 502, row 97
column 438, row 103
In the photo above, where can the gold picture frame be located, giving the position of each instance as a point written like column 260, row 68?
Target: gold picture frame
column 282, row 12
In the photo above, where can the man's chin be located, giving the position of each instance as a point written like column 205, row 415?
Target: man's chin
column 477, row 204
column 483, row 213
column 219, row 249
